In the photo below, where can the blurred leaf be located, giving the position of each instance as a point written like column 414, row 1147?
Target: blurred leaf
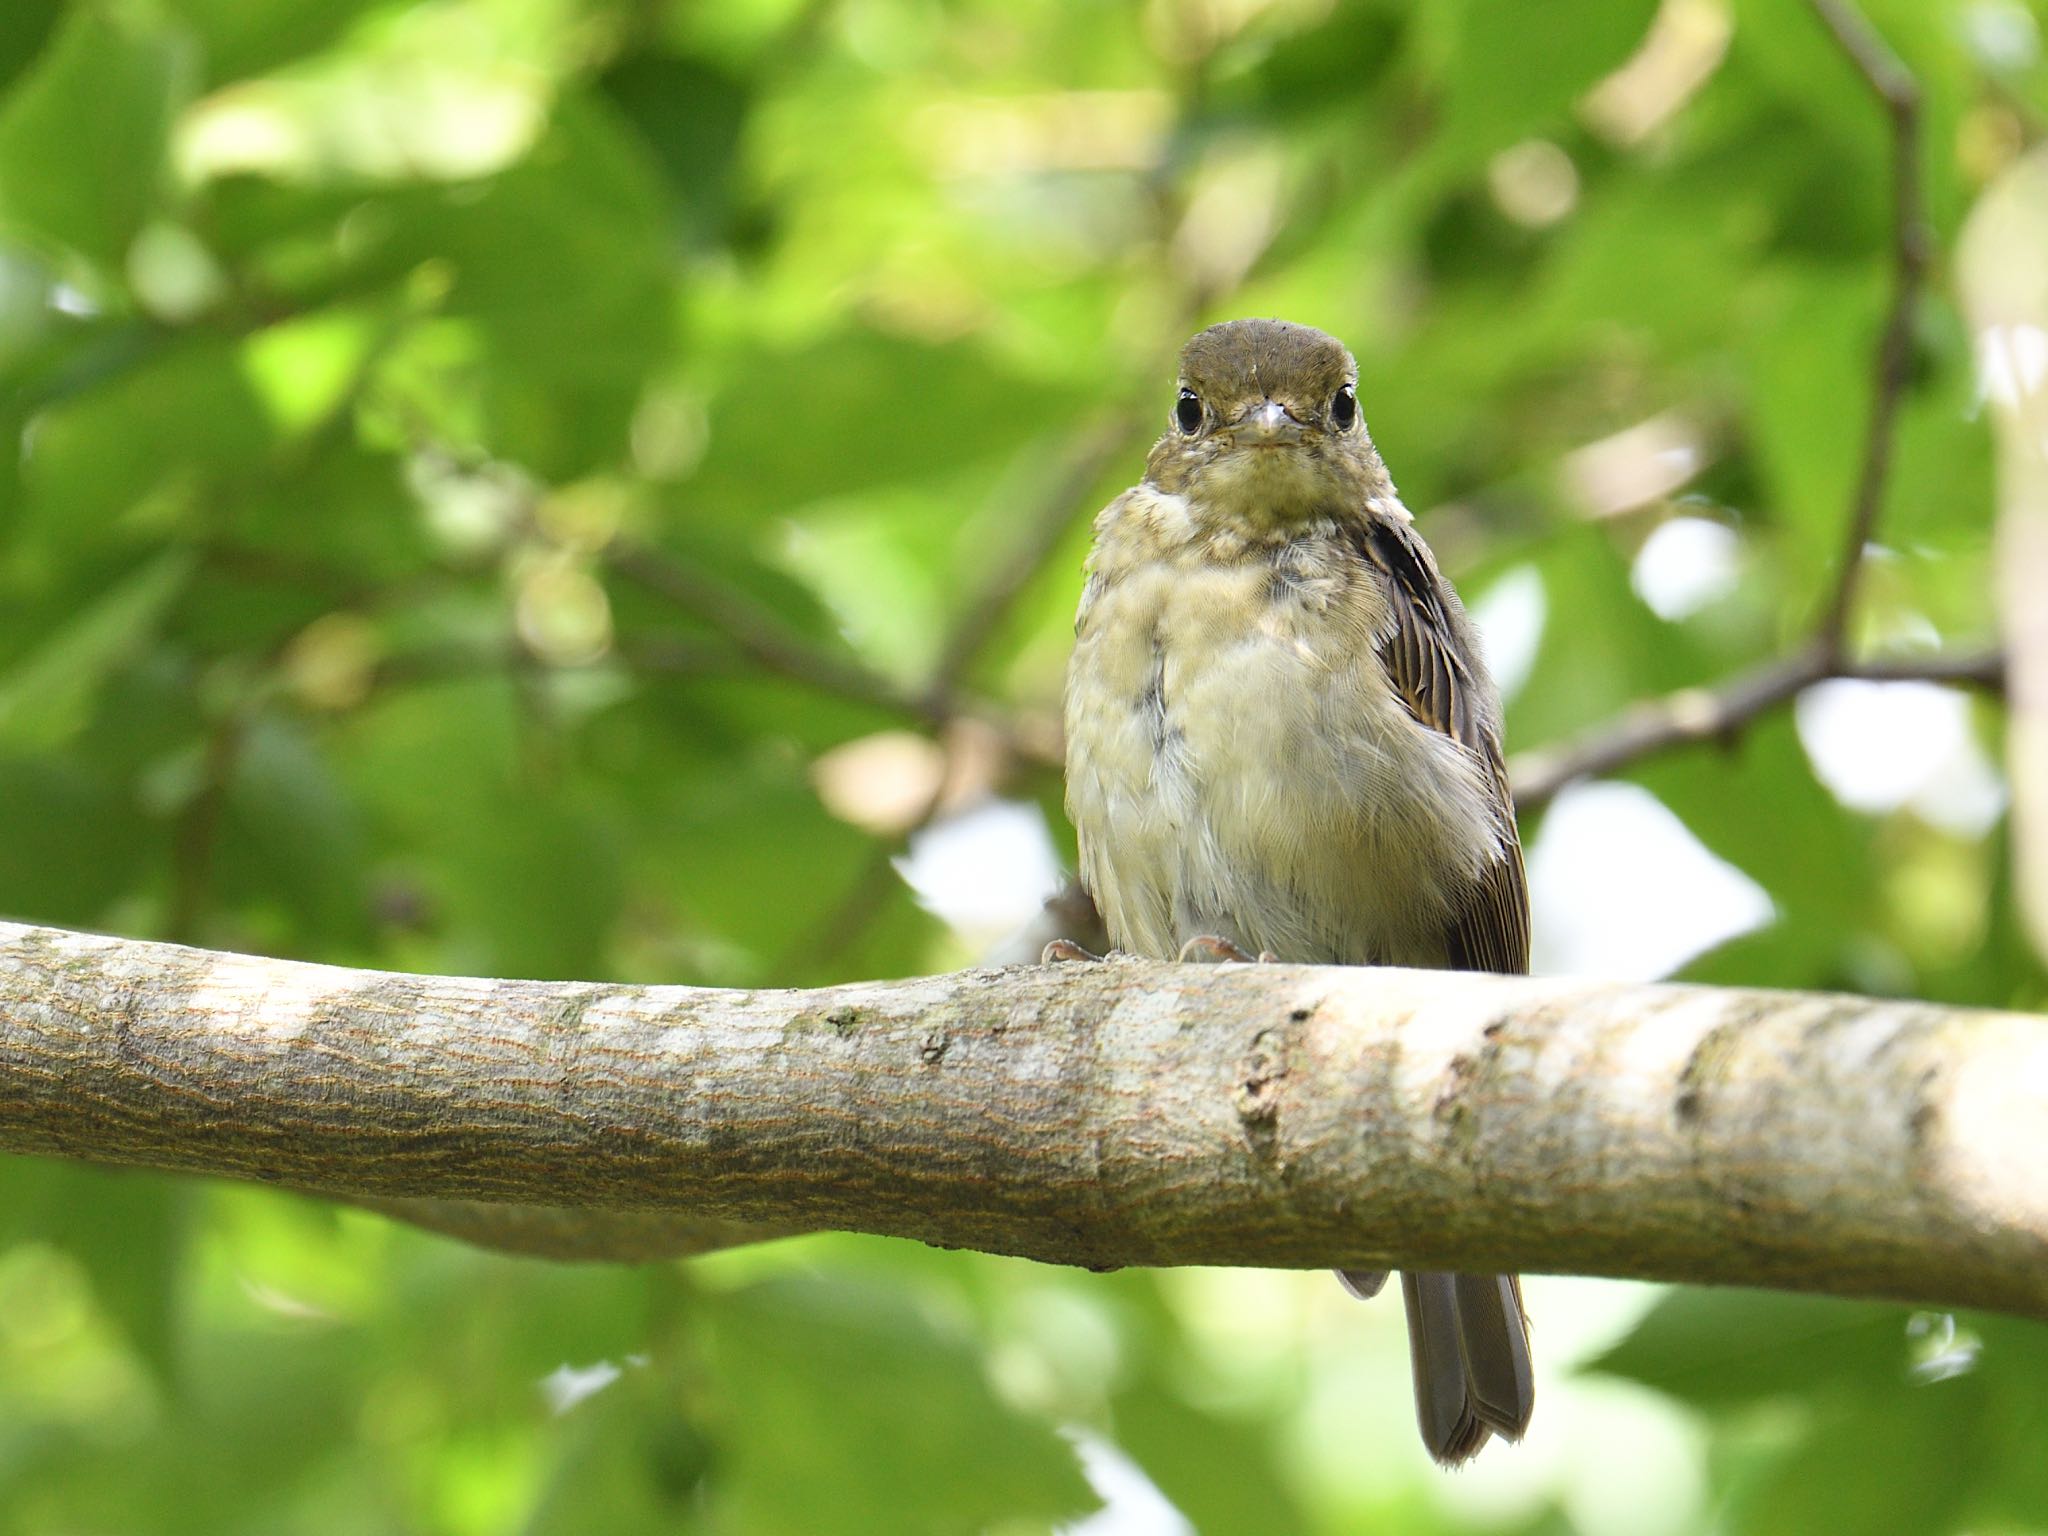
column 73, row 845
column 1903, row 1467
column 126, row 1229
column 24, row 27
column 439, row 766
column 1327, row 66
column 291, row 839
column 1811, row 854
column 145, row 452
column 908, row 1452
column 691, row 116
column 1811, row 386
column 1722, row 1348
column 554, row 274
column 793, row 428
column 1517, row 64
column 102, row 96
column 241, row 39
column 46, row 696
column 1213, row 1469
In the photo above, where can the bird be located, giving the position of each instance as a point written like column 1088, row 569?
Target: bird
column 1282, row 743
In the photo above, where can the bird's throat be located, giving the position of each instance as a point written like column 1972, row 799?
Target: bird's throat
column 1267, row 488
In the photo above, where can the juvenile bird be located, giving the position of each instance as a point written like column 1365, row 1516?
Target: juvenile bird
column 1282, row 741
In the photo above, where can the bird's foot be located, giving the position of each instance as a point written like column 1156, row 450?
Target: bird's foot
column 1222, row 949
column 1066, row 949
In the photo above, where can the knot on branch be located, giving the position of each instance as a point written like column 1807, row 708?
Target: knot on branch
column 1260, row 1074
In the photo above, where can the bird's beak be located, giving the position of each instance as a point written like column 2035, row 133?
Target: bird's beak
column 1266, row 425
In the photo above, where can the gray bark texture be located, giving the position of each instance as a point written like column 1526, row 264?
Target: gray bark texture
column 1127, row 1113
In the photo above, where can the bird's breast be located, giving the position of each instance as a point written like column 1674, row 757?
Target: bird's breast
column 1238, row 764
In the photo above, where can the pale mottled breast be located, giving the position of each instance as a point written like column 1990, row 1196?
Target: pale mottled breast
column 1237, row 763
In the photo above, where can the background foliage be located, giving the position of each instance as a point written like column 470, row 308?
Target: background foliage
column 567, row 487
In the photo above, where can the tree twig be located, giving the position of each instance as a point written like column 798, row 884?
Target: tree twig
column 764, row 638
column 1128, row 1113
column 1718, row 713
column 196, row 834
column 1045, row 525
column 1693, row 715
column 1896, row 89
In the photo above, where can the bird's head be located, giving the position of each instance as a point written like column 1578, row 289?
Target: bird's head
column 1265, row 429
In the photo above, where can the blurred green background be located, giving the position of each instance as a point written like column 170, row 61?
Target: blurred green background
column 597, row 488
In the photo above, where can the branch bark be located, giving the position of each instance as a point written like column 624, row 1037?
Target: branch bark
column 1104, row 1115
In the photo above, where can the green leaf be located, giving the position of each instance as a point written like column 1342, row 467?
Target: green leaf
column 1214, row 1469
column 558, row 296
column 1719, row 1348
column 691, row 115
column 290, row 839
column 46, row 697
column 795, row 427
column 144, row 448
column 1903, row 1464
column 1758, row 805
column 102, row 97
column 25, row 25
column 906, row 1448
column 71, row 843
column 1516, row 65
column 125, row 1228
column 247, row 37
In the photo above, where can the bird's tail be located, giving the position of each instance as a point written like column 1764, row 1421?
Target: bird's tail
column 1469, row 1340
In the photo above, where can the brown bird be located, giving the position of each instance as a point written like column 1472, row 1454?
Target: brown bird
column 1282, row 742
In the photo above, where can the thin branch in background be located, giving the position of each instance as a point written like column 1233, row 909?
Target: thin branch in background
column 1694, row 715
column 197, row 831
column 1719, row 713
column 764, row 638
column 662, row 656
column 1894, row 86
column 981, row 618
column 1982, row 670
column 847, row 921
column 1045, row 527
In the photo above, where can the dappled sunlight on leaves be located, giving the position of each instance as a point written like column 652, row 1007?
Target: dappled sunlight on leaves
column 577, row 488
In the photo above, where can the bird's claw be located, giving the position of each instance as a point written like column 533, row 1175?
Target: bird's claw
column 1065, row 949
column 1223, row 949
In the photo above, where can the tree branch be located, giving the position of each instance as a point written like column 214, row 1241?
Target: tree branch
column 1694, row 715
column 1045, row 525
column 763, row 637
column 1116, row 1114
column 1894, row 86
column 1719, row 713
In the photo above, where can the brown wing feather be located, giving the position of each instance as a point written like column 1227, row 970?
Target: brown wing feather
column 1427, row 659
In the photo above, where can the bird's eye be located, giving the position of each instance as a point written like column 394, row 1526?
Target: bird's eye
column 1187, row 412
column 1344, row 408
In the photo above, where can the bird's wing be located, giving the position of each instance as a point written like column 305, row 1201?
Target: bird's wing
column 1427, row 659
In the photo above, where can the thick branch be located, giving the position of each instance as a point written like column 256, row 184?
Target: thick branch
column 1126, row 1113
